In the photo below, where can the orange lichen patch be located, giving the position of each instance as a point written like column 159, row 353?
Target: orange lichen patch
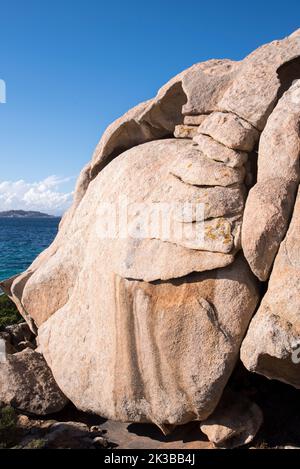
column 220, row 229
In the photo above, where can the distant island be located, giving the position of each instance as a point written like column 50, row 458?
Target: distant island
column 24, row 214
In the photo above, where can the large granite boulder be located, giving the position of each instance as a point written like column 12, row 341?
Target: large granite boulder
column 146, row 324
column 133, row 349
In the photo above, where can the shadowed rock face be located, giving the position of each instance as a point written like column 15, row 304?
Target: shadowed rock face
column 149, row 328
column 235, row 421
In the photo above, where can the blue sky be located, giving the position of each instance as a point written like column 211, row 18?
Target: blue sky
column 73, row 66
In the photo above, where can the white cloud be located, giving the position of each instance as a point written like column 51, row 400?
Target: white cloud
column 45, row 196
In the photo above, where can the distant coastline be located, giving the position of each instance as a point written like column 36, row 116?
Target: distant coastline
column 25, row 214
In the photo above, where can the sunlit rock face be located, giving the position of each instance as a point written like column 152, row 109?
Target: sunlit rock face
column 146, row 324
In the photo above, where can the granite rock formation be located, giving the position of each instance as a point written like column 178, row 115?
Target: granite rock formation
column 148, row 326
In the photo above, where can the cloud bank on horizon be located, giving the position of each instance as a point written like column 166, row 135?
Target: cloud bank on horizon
column 44, row 196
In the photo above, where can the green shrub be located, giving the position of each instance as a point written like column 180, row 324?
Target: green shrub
column 8, row 420
column 8, row 312
column 35, row 444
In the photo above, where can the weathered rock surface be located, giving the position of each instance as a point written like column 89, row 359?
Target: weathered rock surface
column 260, row 80
column 266, row 219
column 218, row 152
column 230, row 130
column 26, row 382
column 136, row 260
column 185, row 131
column 194, row 120
column 270, row 202
column 280, row 140
column 159, row 369
column 193, row 167
column 272, row 344
column 235, row 422
column 204, row 85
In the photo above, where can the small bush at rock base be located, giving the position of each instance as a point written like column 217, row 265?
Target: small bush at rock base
column 8, row 312
column 8, row 421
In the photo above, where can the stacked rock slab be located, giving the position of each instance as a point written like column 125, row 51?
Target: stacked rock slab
column 149, row 328
column 270, row 202
column 272, row 344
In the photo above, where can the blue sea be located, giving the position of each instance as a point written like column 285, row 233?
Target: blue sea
column 21, row 240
